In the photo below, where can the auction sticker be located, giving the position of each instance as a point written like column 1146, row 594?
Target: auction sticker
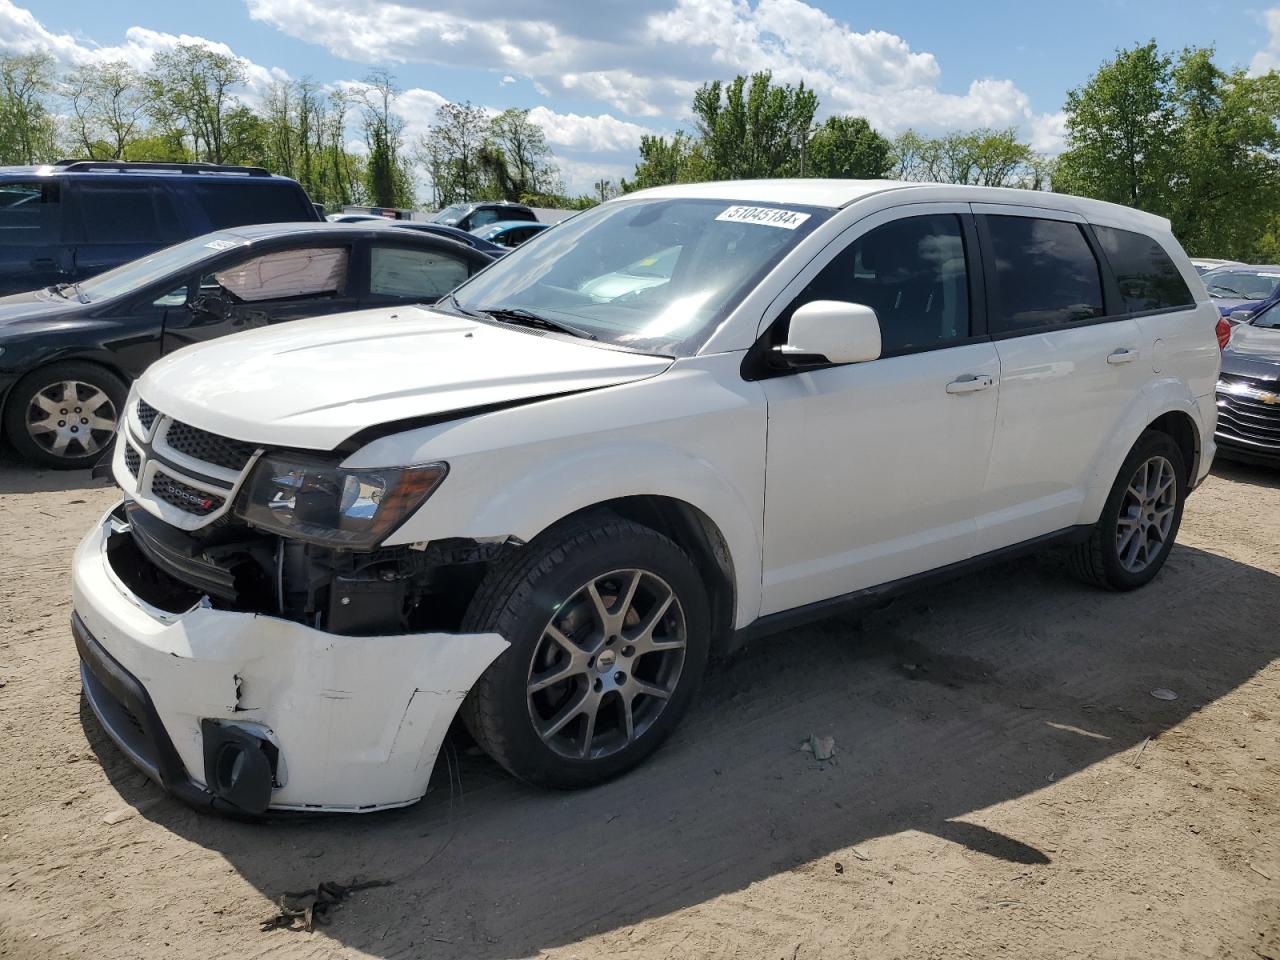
column 765, row 216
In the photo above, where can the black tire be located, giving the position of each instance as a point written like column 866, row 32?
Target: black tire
column 1099, row 559
column 542, row 585
column 22, row 404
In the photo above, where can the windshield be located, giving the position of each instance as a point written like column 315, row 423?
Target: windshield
column 652, row 275
column 450, row 215
column 156, row 266
column 1242, row 284
column 1270, row 317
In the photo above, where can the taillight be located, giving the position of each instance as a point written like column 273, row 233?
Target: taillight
column 1224, row 332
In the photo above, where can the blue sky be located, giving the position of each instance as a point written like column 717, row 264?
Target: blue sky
column 599, row 74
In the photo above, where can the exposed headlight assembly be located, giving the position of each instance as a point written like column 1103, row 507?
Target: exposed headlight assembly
column 317, row 501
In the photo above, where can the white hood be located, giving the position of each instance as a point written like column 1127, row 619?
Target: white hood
column 314, row 383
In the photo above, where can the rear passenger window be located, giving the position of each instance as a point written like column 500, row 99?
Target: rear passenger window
column 1146, row 275
column 30, row 213
column 1046, row 274
column 483, row 217
column 123, row 213
column 238, row 203
column 912, row 273
column 425, row 274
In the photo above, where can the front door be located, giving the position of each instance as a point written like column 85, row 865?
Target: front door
column 265, row 288
column 33, row 249
column 874, row 470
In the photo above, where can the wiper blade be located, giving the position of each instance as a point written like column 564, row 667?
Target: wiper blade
column 527, row 318
column 457, row 307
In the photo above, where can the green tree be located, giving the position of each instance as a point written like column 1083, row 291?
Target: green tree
column 387, row 176
column 847, row 147
column 666, row 160
column 454, row 148
column 107, row 107
column 1120, row 132
column 190, row 88
column 751, row 127
column 28, row 133
column 1179, row 137
column 518, row 158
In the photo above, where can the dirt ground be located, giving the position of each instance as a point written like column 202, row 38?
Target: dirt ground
column 1005, row 784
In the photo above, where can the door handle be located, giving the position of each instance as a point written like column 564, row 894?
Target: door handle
column 1122, row 355
column 970, row 383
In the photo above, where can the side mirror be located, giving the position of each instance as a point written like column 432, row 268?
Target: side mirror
column 833, row 331
column 1240, row 316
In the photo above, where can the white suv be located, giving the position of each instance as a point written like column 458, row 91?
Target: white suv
column 685, row 418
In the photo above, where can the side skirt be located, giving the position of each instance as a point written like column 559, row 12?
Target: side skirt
column 872, row 597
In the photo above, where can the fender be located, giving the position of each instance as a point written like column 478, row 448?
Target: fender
column 694, row 434
column 1157, row 397
column 555, row 488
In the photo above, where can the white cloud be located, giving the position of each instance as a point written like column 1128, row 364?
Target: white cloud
column 22, row 33
column 647, row 63
column 507, row 80
column 1268, row 58
column 598, row 133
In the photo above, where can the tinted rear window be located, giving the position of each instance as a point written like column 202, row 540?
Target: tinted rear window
column 126, row 213
column 1045, row 274
column 1146, row 275
column 30, row 213
column 234, row 204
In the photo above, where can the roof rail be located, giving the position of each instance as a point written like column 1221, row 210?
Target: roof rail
column 148, row 166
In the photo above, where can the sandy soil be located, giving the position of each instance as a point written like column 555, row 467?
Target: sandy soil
column 1004, row 784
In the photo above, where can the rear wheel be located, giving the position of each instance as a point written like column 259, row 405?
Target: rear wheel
column 609, row 630
column 1140, row 520
column 65, row 415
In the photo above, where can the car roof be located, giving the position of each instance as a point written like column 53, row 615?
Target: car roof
column 322, row 229
column 835, row 194
column 1245, row 268
column 118, row 169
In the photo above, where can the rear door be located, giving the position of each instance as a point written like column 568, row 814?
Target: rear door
column 120, row 218
column 1069, row 369
column 874, row 470
column 401, row 272
column 33, row 250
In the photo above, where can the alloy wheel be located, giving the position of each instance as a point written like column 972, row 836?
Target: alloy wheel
column 607, row 664
column 1146, row 514
column 71, row 418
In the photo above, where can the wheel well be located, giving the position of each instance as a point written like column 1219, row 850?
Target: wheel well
column 698, row 536
column 1180, row 428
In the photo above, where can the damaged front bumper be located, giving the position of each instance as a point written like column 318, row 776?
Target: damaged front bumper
column 244, row 712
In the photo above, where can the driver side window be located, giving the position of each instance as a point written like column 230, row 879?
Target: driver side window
column 912, row 272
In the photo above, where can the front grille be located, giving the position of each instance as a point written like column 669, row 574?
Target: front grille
column 184, row 497
column 209, row 447
column 1248, row 418
column 132, row 459
column 146, row 414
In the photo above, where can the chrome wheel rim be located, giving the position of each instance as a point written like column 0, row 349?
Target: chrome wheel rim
column 71, row 418
column 1146, row 514
column 607, row 664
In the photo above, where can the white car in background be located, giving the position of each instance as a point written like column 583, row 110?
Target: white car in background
column 550, row 498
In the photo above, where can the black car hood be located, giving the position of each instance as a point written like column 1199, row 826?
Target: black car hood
column 23, row 312
column 1253, row 352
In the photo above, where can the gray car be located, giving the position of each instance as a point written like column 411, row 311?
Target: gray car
column 1249, row 391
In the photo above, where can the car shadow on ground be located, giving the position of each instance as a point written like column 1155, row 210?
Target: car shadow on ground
column 943, row 705
column 1240, row 472
column 18, row 476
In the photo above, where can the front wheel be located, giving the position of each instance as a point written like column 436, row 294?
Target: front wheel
column 609, row 627
column 65, row 415
column 1140, row 520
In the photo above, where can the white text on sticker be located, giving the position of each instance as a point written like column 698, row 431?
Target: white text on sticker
column 765, row 216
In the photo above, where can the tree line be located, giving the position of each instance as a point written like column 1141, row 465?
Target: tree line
column 1171, row 133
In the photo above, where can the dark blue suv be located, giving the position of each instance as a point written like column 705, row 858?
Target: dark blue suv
column 66, row 221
